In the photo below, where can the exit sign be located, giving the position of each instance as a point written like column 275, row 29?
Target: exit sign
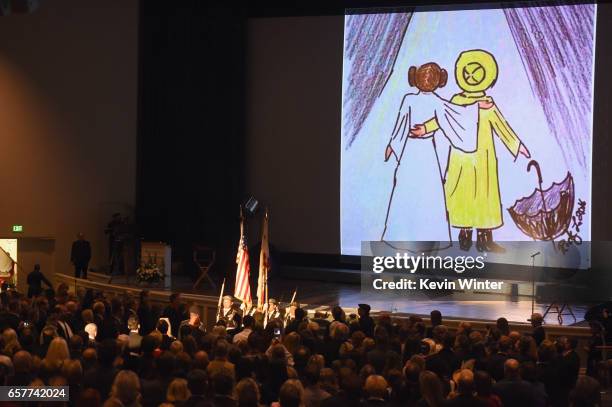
column 17, row 228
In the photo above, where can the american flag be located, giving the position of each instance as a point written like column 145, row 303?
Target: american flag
column 242, row 288
column 264, row 264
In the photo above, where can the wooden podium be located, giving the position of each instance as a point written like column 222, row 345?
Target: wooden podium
column 161, row 253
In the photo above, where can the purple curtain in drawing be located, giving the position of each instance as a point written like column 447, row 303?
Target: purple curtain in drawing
column 372, row 42
column 556, row 47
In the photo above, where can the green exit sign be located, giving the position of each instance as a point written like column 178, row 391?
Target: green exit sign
column 17, row 228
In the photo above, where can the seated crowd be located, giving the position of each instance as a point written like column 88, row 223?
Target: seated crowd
column 116, row 351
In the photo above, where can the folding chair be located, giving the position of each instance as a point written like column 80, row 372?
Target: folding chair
column 204, row 258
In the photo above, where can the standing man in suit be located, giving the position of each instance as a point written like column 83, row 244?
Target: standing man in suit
column 80, row 256
column 366, row 323
column 35, row 280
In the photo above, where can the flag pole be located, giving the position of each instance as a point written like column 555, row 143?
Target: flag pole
column 293, row 297
column 287, row 316
column 220, row 301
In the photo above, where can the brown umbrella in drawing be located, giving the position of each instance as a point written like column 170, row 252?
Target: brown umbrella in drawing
column 546, row 213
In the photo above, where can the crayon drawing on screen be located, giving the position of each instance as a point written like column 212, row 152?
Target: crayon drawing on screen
column 468, row 127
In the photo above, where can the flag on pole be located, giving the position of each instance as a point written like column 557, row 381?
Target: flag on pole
column 242, row 288
column 264, row 264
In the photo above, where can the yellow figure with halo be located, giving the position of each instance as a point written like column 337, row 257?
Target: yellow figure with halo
column 471, row 184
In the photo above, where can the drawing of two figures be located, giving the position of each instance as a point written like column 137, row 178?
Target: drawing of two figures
column 465, row 194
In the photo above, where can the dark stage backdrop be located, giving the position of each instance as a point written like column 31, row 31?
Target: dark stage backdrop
column 191, row 127
column 236, row 102
column 293, row 128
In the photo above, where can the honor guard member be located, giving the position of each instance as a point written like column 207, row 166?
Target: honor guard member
column 273, row 311
column 248, row 309
column 228, row 310
column 290, row 312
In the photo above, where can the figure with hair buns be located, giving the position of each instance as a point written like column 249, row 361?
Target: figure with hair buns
column 411, row 195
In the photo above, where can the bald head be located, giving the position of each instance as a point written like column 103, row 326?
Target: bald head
column 511, row 369
column 376, row 386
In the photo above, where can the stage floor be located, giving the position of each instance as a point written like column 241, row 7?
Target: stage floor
column 319, row 295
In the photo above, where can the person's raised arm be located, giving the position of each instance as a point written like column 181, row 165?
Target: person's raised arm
column 431, row 125
column 397, row 136
column 45, row 280
column 507, row 135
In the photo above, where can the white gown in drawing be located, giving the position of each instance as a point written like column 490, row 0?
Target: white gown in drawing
column 417, row 210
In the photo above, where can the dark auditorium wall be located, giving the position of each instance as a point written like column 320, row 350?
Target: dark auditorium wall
column 294, row 88
column 68, row 111
column 191, row 138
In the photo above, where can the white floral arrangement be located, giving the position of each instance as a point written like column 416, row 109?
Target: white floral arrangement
column 150, row 271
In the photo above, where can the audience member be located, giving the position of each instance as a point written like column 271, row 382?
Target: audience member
column 80, row 254
column 96, row 344
column 35, row 279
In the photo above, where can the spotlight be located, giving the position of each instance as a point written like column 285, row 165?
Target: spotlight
column 250, row 206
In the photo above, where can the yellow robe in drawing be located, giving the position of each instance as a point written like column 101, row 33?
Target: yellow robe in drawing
column 471, row 184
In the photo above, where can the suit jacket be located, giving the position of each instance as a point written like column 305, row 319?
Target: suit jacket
column 111, row 328
column 197, row 401
column 193, row 330
column 100, row 378
column 166, row 342
column 465, row 401
column 496, row 365
column 374, row 403
column 80, row 253
column 175, row 316
column 153, row 391
column 147, row 323
column 366, row 325
column 342, row 400
column 9, row 320
column 134, row 341
column 65, row 330
column 517, row 393
column 224, row 401
column 538, row 334
column 35, row 279
column 571, row 367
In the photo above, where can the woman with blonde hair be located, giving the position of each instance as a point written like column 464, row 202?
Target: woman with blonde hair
column 57, row 354
column 126, row 388
column 178, row 392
